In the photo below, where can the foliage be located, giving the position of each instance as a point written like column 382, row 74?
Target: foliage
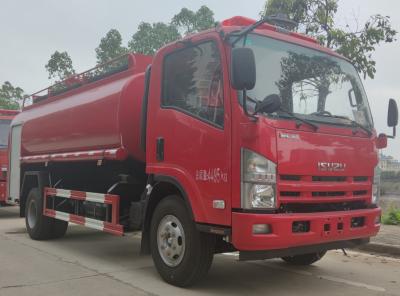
column 316, row 18
column 10, row 96
column 296, row 10
column 150, row 37
column 147, row 40
column 392, row 217
column 315, row 73
column 190, row 21
column 60, row 66
column 110, row 47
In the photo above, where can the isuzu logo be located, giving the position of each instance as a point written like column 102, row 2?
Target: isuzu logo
column 289, row 136
column 331, row 166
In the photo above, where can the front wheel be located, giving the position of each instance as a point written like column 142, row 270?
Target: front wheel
column 181, row 254
column 304, row 259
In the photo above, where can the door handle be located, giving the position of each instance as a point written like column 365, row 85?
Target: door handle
column 160, row 149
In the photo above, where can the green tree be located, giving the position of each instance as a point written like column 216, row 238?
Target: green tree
column 110, row 47
column 190, row 21
column 10, row 96
column 150, row 37
column 316, row 18
column 60, row 66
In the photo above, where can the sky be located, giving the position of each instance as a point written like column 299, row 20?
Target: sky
column 30, row 31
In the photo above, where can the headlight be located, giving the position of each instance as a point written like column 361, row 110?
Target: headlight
column 376, row 185
column 258, row 181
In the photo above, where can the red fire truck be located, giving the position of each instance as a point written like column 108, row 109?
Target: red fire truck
column 246, row 137
column 6, row 117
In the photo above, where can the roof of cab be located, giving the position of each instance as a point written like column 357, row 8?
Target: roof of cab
column 238, row 22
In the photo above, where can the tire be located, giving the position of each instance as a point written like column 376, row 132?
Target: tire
column 59, row 229
column 171, row 226
column 305, row 259
column 39, row 226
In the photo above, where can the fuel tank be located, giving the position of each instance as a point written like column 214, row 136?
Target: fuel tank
column 97, row 115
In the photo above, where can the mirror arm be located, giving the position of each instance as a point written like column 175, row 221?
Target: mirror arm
column 394, row 133
column 251, row 116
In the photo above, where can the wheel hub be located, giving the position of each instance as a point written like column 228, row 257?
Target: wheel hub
column 171, row 240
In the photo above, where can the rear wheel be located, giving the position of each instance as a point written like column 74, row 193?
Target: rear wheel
column 39, row 226
column 304, row 259
column 181, row 254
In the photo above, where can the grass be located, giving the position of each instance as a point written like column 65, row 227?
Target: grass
column 392, row 217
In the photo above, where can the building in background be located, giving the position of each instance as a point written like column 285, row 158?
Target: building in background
column 389, row 164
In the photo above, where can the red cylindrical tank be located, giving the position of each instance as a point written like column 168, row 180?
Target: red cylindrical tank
column 96, row 116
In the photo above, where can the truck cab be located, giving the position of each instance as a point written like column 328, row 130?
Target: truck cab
column 271, row 135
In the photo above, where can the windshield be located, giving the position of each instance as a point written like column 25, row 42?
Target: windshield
column 4, row 129
column 310, row 83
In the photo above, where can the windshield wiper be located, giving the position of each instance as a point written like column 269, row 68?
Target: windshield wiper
column 314, row 126
column 352, row 122
column 277, row 20
column 245, row 31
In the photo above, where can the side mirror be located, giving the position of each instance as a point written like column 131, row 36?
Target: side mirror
column 243, row 70
column 270, row 104
column 393, row 116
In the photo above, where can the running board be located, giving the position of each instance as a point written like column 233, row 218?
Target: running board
column 112, row 227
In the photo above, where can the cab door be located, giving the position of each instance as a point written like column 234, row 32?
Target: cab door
column 189, row 126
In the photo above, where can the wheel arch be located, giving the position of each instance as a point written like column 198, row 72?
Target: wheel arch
column 159, row 187
column 32, row 179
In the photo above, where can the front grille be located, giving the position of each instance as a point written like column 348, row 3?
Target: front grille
column 360, row 179
column 298, row 187
column 290, row 178
column 328, row 193
column 322, row 207
column 329, row 179
column 290, row 193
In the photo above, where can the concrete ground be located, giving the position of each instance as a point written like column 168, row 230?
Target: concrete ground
column 87, row 262
column 389, row 234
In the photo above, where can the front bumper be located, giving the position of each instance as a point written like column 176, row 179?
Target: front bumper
column 282, row 235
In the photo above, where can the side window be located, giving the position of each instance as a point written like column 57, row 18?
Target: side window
column 193, row 82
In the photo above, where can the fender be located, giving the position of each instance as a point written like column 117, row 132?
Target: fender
column 32, row 179
column 149, row 202
column 150, row 199
column 187, row 183
column 167, row 179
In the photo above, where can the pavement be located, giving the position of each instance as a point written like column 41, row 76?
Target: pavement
column 387, row 242
column 388, row 234
column 388, row 239
column 88, row 262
